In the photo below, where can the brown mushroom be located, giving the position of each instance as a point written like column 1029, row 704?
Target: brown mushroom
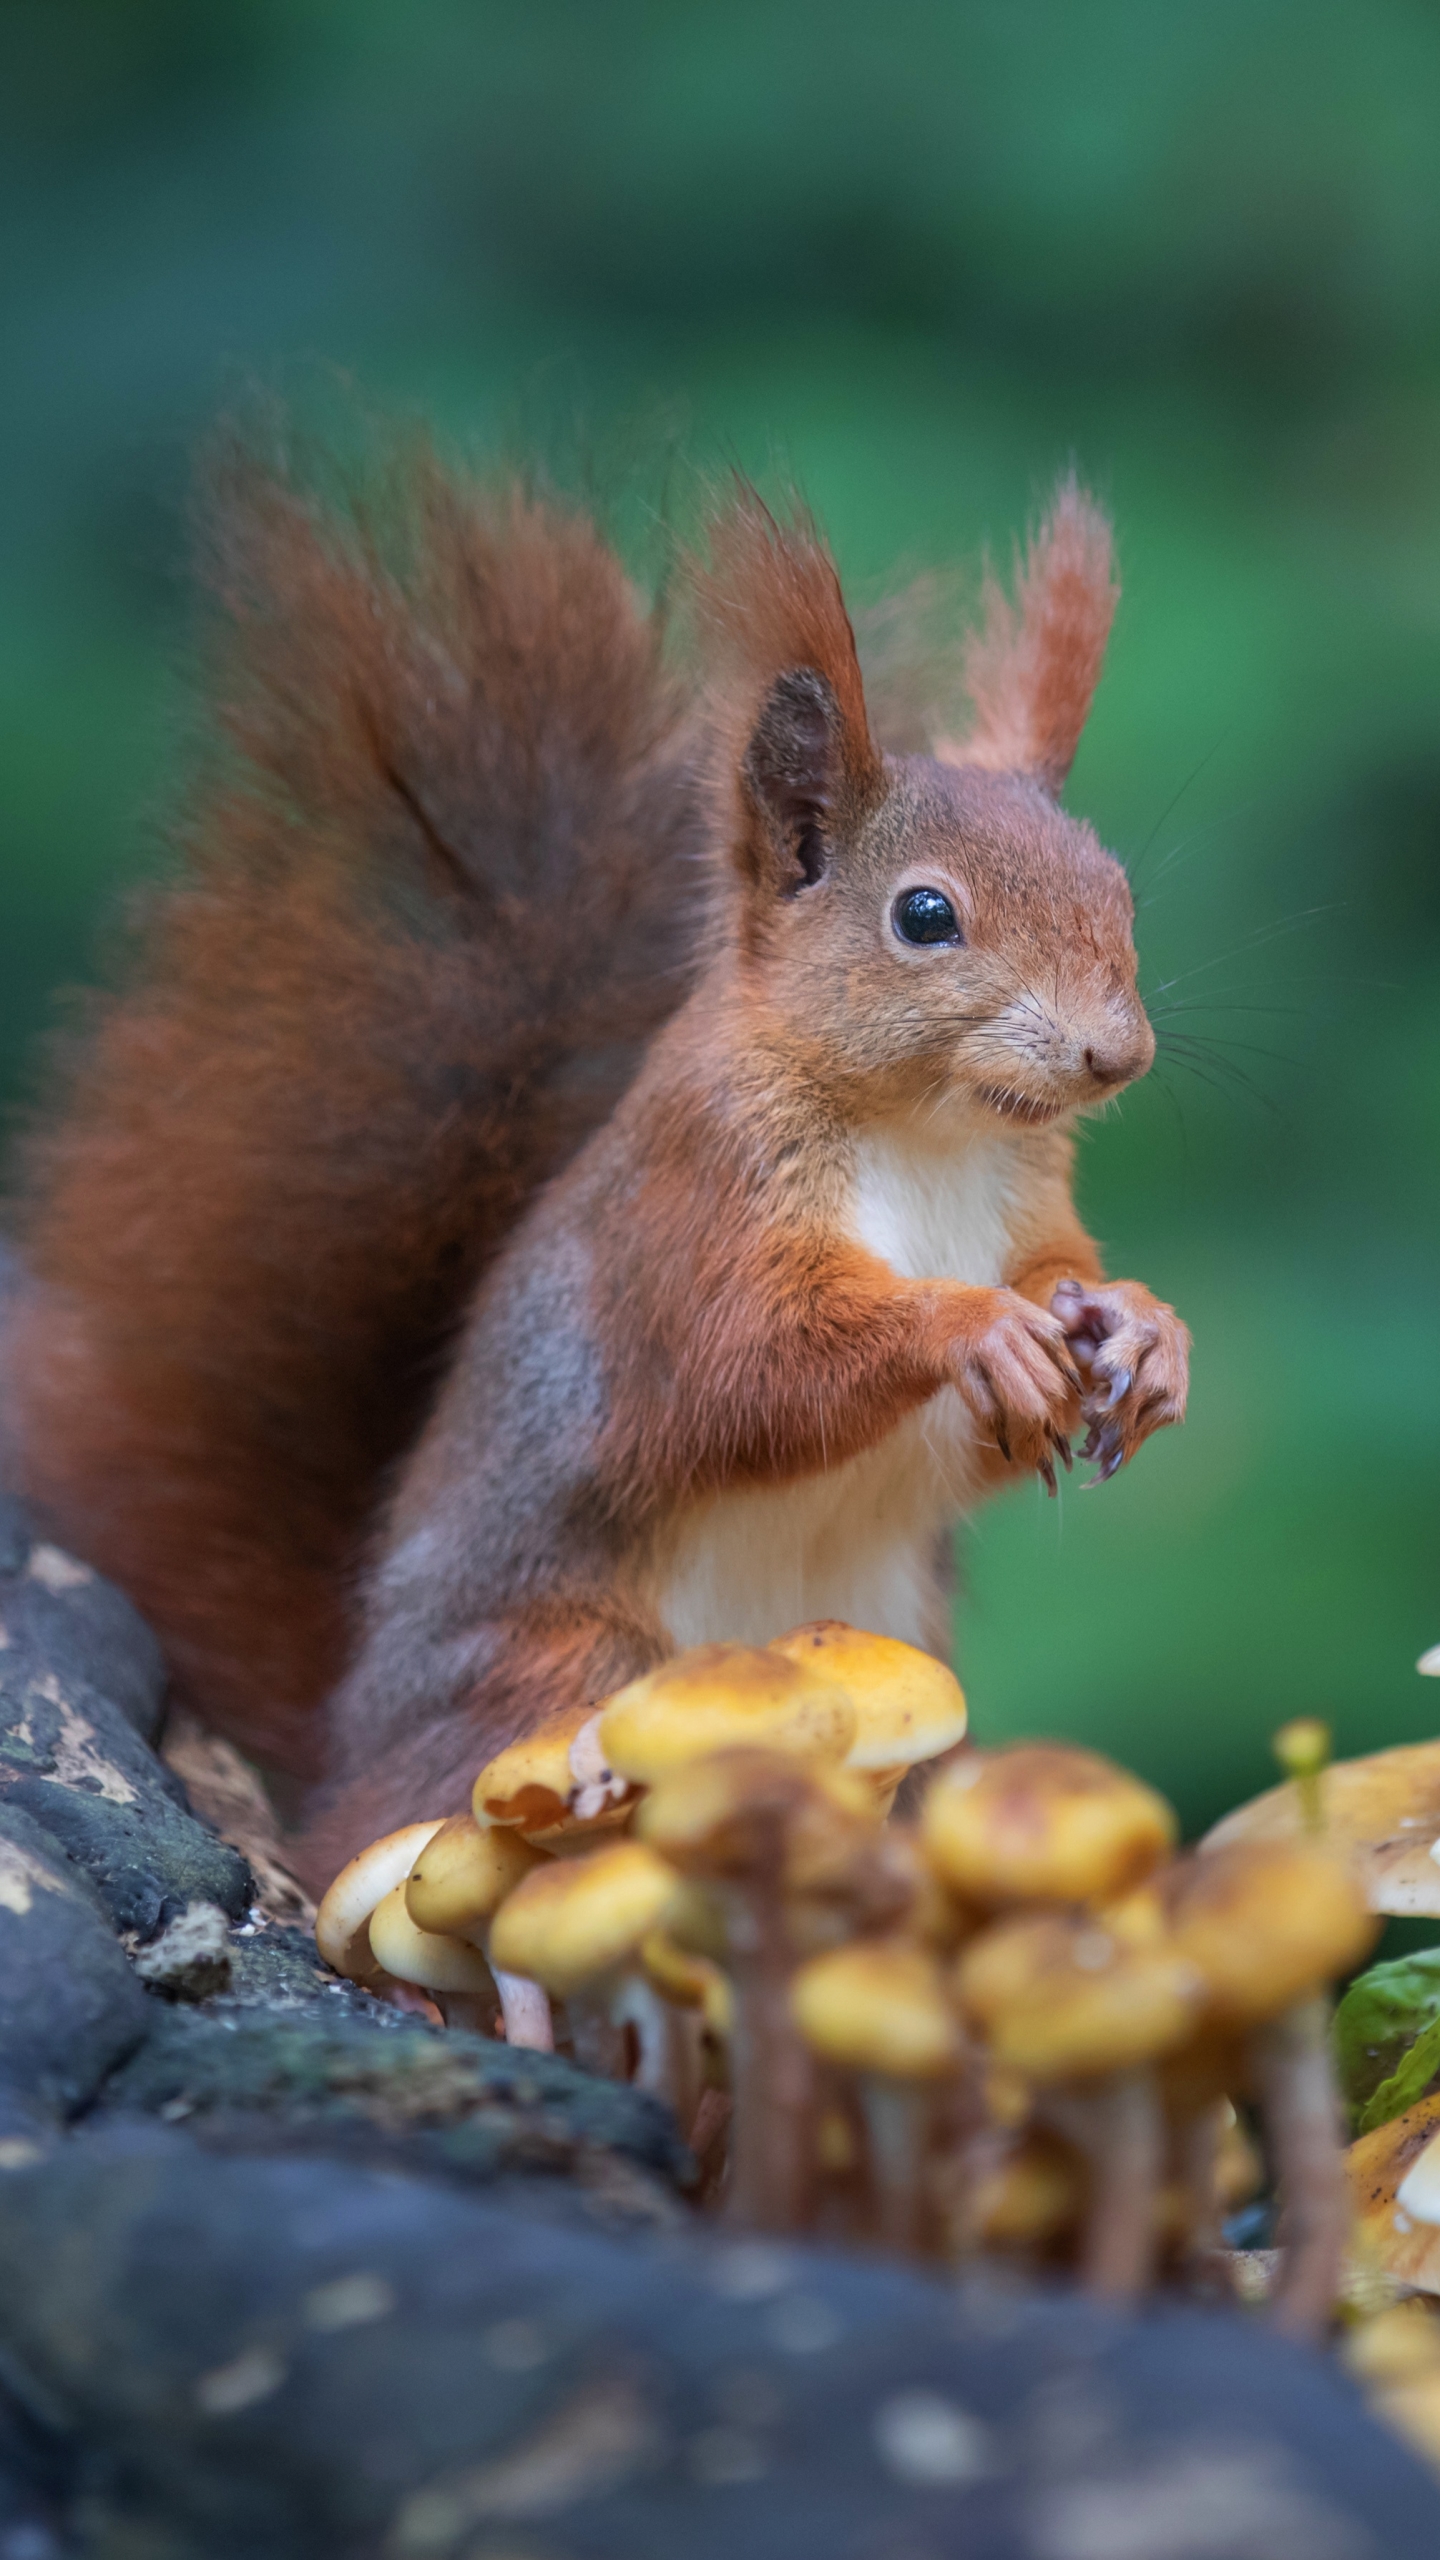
column 1042, row 1822
column 576, row 1927
column 1269, row 1924
column 878, row 2009
column 552, row 1785
column 456, row 1976
column 909, row 1708
column 455, row 1888
column 1394, row 2184
column 1082, row 2016
column 721, row 1697
column 1382, row 1812
column 769, row 1835
column 342, row 1923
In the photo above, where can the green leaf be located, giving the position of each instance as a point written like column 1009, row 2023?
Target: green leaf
column 1420, row 2066
column 1385, row 2018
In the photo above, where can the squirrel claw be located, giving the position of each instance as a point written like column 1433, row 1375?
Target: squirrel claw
column 1046, row 1473
column 1109, row 1452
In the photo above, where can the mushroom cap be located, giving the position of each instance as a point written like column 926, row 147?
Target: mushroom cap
column 1058, row 1997
column 341, row 1923
column 689, row 1981
column 1042, row 1822
column 530, row 1784
column 1035, row 2193
column 1392, row 2176
column 878, row 2006
column 740, row 1813
column 420, row 1955
column 463, row 1874
column 908, row 1706
column 1266, row 1921
column 1382, row 1812
column 574, row 1919
column 717, row 1697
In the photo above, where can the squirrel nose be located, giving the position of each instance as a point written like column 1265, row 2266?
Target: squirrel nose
column 1110, row 1065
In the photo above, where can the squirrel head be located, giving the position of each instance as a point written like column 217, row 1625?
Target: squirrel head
column 925, row 930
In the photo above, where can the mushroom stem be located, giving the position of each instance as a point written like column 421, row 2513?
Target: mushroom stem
column 668, row 2061
column 525, row 2009
column 1197, row 2153
column 473, row 2009
column 1291, row 2057
column 898, row 2116
column 1118, row 2127
column 772, row 2078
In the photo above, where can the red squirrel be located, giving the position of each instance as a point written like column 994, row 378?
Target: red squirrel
column 580, row 1161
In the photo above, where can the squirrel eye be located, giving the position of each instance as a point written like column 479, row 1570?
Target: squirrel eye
column 926, row 915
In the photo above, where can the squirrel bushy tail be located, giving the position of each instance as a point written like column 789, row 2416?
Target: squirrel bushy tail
column 436, row 892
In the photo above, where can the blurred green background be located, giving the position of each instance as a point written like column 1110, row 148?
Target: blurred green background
column 917, row 258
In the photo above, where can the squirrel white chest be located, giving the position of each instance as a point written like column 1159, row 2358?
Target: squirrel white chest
column 863, row 1540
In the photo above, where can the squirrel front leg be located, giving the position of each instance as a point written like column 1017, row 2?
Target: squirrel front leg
column 811, row 1351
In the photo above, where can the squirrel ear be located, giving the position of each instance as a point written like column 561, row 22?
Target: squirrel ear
column 1032, row 667
column 790, row 770
column 788, row 707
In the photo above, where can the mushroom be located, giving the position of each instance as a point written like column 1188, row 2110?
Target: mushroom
column 1042, row 1822
column 342, row 1922
column 720, row 1697
column 1082, row 2015
column 691, row 2055
column 1395, row 2357
column 1030, row 2198
column 909, row 1708
column 1382, row 1812
column 780, row 1843
column 552, row 1785
column 878, row 2009
column 454, row 1890
column 1268, row 1924
column 1394, row 2184
column 573, row 1925
column 455, row 1974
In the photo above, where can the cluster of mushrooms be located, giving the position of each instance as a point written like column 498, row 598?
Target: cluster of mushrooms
column 1015, row 2022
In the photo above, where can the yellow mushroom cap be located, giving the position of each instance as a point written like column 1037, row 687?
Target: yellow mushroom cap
column 1266, row 1921
column 1382, row 1812
column 717, row 1697
column 1034, row 2192
column 1043, row 1822
column 908, row 1706
column 1381, row 2167
column 1058, row 1997
column 690, row 1981
column 577, row 1918
column 877, row 2006
column 739, row 1813
column 463, row 1874
column 529, row 1784
column 341, row 1923
column 418, row 1955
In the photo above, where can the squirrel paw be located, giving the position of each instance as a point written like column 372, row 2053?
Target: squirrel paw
column 1134, row 1353
column 1020, row 1380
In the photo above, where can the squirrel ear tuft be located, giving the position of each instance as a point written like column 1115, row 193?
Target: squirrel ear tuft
column 788, row 704
column 1032, row 667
